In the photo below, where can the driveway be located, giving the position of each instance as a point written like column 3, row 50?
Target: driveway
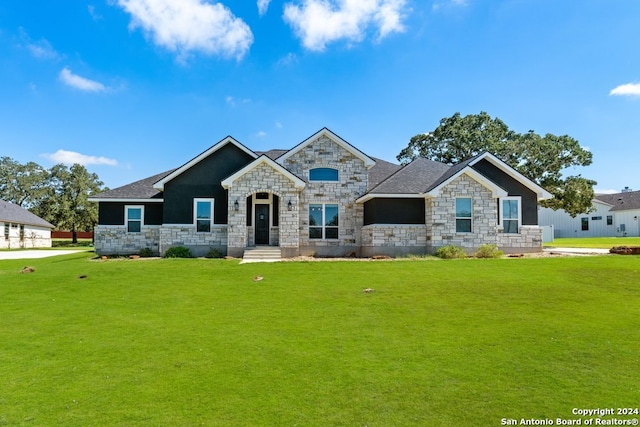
column 34, row 253
column 577, row 251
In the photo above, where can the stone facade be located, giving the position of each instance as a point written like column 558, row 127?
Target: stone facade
column 264, row 179
column 199, row 243
column 352, row 183
column 528, row 239
column 114, row 240
column 393, row 240
column 441, row 215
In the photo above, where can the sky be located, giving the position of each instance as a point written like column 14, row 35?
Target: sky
column 132, row 88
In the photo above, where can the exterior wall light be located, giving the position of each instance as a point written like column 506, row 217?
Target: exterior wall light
column 289, row 206
column 236, row 205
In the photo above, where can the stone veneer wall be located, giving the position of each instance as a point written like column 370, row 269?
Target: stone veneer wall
column 529, row 239
column 264, row 179
column 393, row 240
column 441, row 215
column 352, row 175
column 114, row 239
column 199, row 243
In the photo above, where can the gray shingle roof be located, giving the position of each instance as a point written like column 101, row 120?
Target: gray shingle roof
column 417, row 177
column 621, row 201
column 16, row 214
column 381, row 171
column 272, row 154
column 142, row 189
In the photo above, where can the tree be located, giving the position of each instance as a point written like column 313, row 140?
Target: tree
column 69, row 207
column 23, row 185
column 540, row 158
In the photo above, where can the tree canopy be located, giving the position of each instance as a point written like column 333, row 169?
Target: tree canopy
column 540, row 158
column 58, row 195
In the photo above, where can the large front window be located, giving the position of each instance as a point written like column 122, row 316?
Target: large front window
column 511, row 215
column 203, row 212
column 323, row 221
column 134, row 218
column 463, row 215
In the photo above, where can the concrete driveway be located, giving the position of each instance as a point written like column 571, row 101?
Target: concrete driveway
column 35, row 253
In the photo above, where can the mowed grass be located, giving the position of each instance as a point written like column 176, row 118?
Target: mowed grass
column 198, row 342
column 594, row 242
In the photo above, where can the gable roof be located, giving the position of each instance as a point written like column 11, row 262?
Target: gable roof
column 19, row 215
column 228, row 140
column 228, row 182
column 138, row 191
column 540, row 192
column 424, row 178
column 368, row 161
column 621, row 201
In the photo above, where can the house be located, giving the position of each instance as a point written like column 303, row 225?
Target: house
column 323, row 197
column 613, row 215
column 22, row 229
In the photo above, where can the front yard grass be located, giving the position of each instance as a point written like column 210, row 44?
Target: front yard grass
column 593, row 242
column 186, row 342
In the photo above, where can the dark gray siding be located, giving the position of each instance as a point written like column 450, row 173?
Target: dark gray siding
column 394, row 211
column 514, row 188
column 112, row 213
column 203, row 181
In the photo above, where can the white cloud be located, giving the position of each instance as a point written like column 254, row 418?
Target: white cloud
column 92, row 11
column 233, row 102
column 40, row 49
column 437, row 5
column 629, row 89
column 605, row 191
column 187, row 26
column 319, row 22
column 81, row 83
column 261, row 134
column 263, row 5
column 289, row 59
column 71, row 157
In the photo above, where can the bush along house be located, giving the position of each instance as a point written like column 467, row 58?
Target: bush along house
column 324, row 197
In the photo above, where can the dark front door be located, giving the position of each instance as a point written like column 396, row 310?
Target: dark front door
column 262, row 224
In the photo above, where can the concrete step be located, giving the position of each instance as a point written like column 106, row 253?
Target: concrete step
column 262, row 254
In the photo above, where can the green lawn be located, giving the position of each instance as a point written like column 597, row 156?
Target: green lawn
column 594, row 242
column 178, row 342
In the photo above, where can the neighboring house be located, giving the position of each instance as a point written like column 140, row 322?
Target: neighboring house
column 323, row 197
column 614, row 215
column 22, row 229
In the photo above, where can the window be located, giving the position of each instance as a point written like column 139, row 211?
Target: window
column 203, row 213
column 323, row 221
column 6, row 230
column 22, row 232
column 585, row 223
column 133, row 218
column 596, row 218
column 511, row 214
column 609, row 219
column 463, row 215
column 323, row 174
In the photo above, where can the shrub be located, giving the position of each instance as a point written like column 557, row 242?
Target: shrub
column 178, row 252
column 489, row 251
column 145, row 252
column 214, row 253
column 450, row 252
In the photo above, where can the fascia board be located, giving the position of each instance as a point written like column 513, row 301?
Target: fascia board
column 368, row 161
column 228, row 140
column 541, row 192
column 228, row 182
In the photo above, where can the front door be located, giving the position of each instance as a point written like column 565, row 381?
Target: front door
column 262, row 224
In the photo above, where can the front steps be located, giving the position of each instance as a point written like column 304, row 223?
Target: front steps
column 262, row 254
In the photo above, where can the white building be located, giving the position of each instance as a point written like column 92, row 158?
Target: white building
column 19, row 228
column 614, row 215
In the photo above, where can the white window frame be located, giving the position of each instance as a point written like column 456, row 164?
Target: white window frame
column 195, row 213
column 469, row 218
column 325, row 180
column 323, row 225
column 503, row 219
column 126, row 217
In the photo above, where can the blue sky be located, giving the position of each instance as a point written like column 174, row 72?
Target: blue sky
column 131, row 88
